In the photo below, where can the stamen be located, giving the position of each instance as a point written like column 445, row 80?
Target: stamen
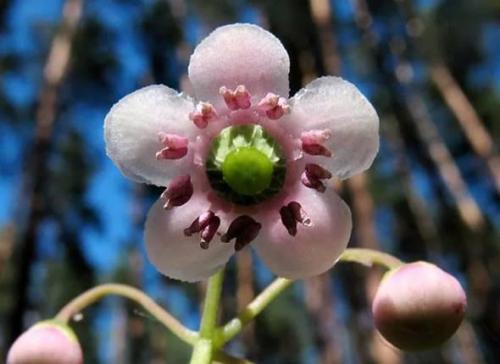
column 312, row 142
column 176, row 146
column 313, row 175
column 291, row 214
column 288, row 220
column 240, row 98
column 209, row 231
column 273, row 106
column 206, row 224
column 203, row 114
column 244, row 229
column 299, row 214
column 178, row 192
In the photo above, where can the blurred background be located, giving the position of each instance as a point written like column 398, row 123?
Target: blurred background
column 69, row 220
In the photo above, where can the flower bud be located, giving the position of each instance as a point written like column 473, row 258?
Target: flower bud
column 418, row 306
column 47, row 342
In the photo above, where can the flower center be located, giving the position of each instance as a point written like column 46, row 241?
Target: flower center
column 247, row 171
column 245, row 165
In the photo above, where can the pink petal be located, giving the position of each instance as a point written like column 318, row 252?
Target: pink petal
column 335, row 105
column 315, row 248
column 239, row 54
column 132, row 130
column 179, row 256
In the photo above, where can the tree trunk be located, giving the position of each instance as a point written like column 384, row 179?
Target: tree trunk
column 36, row 172
column 422, row 123
column 468, row 118
column 448, row 169
column 364, row 228
column 426, row 226
column 465, row 338
column 366, row 236
column 418, row 114
column 456, row 99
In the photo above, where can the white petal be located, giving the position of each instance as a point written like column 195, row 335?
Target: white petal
column 176, row 255
column 335, row 104
column 131, row 132
column 314, row 249
column 239, row 54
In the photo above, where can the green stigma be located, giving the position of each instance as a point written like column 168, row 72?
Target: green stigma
column 245, row 165
column 247, row 171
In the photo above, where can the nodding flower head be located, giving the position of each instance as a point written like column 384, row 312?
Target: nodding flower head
column 241, row 162
column 418, row 306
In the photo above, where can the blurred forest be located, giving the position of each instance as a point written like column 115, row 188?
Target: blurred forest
column 69, row 220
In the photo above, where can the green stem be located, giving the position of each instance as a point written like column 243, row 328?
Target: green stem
column 370, row 257
column 204, row 347
column 93, row 295
column 358, row 255
column 233, row 327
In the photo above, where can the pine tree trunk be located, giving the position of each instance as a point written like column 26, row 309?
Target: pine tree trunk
column 363, row 204
column 448, row 169
column 422, row 123
column 416, row 112
column 455, row 97
column 423, row 219
column 36, row 171
column 366, row 237
column 465, row 338
column 468, row 118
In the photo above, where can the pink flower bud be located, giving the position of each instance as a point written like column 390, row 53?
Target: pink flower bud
column 418, row 306
column 47, row 342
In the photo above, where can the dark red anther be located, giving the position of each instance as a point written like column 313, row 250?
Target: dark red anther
column 316, row 149
column 288, row 220
column 317, row 171
column 178, row 192
column 291, row 214
column 206, row 224
column 207, row 234
column 313, row 175
column 299, row 214
column 244, row 229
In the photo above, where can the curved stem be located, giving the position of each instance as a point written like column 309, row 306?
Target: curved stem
column 95, row 294
column 370, row 257
column 233, row 327
column 204, row 347
column 367, row 257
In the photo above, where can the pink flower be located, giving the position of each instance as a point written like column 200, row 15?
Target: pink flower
column 47, row 342
column 242, row 163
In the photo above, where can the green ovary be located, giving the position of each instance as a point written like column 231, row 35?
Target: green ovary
column 245, row 165
column 247, row 171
